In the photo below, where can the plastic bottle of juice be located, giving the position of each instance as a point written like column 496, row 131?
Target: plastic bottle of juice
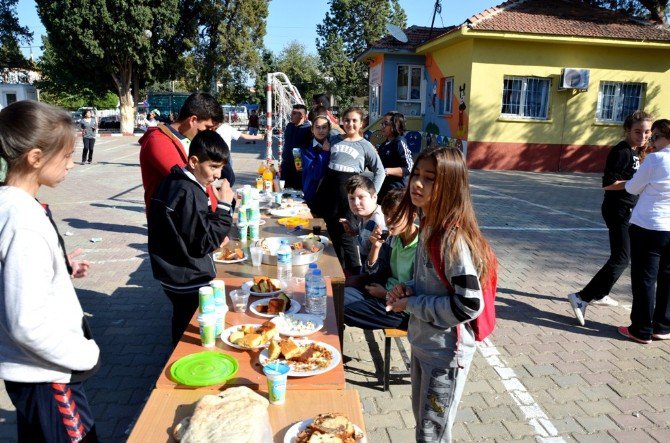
column 262, row 167
column 267, row 178
column 275, row 176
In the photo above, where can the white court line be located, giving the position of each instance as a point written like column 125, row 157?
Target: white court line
column 535, row 416
column 119, row 260
column 518, row 228
column 548, row 208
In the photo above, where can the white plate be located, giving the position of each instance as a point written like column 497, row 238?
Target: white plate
column 292, row 433
column 226, row 333
column 247, row 287
column 289, row 212
column 237, row 260
column 260, row 223
column 295, row 307
column 284, row 329
column 263, row 359
column 322, row 238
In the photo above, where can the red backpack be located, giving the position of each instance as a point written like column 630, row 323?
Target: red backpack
column 486, row 322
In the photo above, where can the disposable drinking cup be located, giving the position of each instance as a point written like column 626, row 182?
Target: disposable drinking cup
column 221, row 312
column 219, row 289
column 206, row 300
column 207, row 329
column 239, row 299
column 277, row 374
column 244, row 231
column 278, row 196
column 242, row 215
column 254, row 231
column 281, row 184
column 256, row 255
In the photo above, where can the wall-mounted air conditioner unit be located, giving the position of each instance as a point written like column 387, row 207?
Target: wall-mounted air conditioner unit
column 573, row 78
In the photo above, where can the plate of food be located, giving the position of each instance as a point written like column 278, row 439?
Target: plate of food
column 294, row 222
column 290, row 211
column 249, row 335
column 262, row 286
column 297, row 325
column 332, row 425
column 230, row 255
column 271, row 307
column 304, row 357
column 315, row 238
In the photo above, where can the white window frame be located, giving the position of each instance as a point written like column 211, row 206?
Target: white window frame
column 375, row 101
column 526, row 88
column 422, row 87
column 447, row 95
column 615, row 113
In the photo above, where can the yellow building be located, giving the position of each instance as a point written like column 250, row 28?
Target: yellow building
column 537, row 85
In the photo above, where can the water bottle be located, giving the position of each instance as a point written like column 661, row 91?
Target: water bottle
column 316, row 297
column 308, row 275
column 284, row 262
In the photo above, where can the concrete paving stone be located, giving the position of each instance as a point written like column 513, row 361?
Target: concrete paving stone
column 596, row 424
column 466, row 415
column 377, row 435
column 548, row 358
column 565, row 381
column 540, row 370
column 561, row 410
column 637, row 436
column 496, row 414
column 597, row 392
column 473, row 400
column 487, row 430
column 598, row 378
column 518, row 430
column 629, row 390
column 595, row 438
column 661, row 435
column 630, row 405
column 567, row 368
column 567, row 425
column 401, row 435
column 384, row 420
column 408, row 419
column 569, row 394
column 631, row 421
column 598, row 407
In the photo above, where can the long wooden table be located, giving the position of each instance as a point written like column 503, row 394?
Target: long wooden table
column 328, row 262
column 250, row 371
column 165, row 408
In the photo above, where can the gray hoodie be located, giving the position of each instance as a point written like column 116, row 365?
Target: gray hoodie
column 434, row 313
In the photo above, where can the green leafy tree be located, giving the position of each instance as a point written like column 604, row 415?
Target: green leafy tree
column 653, row 9
column 104, row 44
column 228, row 44
column 347, row 30
column 11, row 36
column 302, row 69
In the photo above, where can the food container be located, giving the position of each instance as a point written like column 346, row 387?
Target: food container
column 271, row 244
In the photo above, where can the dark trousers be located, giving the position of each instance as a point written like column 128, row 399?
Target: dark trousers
column 367, row 312
column 184, row 305
column 617, row 218
column 650, row 276
column 52, row 412
column 346, row 246
column 88, row 150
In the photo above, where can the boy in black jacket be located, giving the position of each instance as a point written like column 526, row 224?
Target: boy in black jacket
column 183, row 229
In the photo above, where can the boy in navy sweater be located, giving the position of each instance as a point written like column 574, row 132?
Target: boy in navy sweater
column 184, row 230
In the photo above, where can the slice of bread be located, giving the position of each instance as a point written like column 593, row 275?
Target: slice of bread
column 274, row 350
column 259, row 278
column 275, row 306
column 274, row 284
column 236, row 336
column 290, row 348
column 333, row 423
column 251, row 341
column 267, row 330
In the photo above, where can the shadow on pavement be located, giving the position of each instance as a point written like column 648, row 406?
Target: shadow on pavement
column 78, row 223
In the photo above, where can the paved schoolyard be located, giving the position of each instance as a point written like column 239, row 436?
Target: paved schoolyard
column 540, row 377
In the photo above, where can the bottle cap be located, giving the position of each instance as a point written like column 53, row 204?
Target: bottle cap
column 312, row 265
column 317, row 272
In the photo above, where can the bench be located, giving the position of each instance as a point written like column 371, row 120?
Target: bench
column 389, row 335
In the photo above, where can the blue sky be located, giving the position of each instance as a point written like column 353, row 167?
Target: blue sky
column 297, row 19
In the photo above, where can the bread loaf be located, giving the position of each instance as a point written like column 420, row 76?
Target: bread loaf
column 234, row 416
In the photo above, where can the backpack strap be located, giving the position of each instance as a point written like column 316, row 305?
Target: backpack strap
column 438, row 265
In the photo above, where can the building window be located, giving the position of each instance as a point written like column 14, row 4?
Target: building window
column 447, row 97
column 526, row 97
column 409, row 89
column 375, row 107
column 617, row 100
column 10, row 98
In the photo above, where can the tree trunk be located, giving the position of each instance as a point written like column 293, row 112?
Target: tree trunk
column 126, row 105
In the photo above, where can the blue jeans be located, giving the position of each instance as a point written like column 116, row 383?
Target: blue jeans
column 650, row 278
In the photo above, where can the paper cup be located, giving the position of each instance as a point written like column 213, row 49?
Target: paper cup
column 219, row 289
column 207, row 330
column 206, row 300
column 277, row 374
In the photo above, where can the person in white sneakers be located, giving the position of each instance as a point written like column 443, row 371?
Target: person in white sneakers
column 622, row 162
column 650, row 243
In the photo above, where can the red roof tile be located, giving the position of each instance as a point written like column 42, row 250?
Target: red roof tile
column 416, row 35
column 565, row 17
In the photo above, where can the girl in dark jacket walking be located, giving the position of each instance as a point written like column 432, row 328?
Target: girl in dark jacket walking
column 394, row 153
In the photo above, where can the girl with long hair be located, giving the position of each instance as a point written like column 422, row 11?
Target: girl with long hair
column 441, row 338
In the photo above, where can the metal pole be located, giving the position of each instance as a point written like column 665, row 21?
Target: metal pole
column 268, row 120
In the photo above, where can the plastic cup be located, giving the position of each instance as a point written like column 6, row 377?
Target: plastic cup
column 207, row 329
column 277, row 374
column 281, row 184
column 221, row 312
column 256, row 255
column 239, row 299
column 254, row 231
column 242, row 215
column 278, row 196
column 206, row 300
column 219, row 289
column 244, row 231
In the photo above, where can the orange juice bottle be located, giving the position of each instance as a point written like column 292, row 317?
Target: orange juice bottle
column 268, row 176
column 262, row 167
column 275, row 177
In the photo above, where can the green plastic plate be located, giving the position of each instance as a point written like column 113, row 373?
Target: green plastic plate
column 204, row 369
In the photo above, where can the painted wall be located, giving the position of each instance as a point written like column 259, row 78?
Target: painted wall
column 570, row 139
